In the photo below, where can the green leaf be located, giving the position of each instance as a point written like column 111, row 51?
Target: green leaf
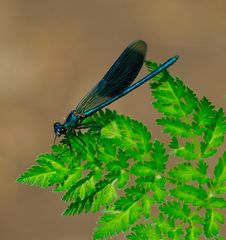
column 220, row 169
column 147, row 203
column 80, row 189
column 185, row 172
column 104, row 197
column 164, row 227
column 130, row 135
column 196, row 219
column 190, row 101
column 190, row 194
column 174, row 210
column 174, row 144
column 104, row 194
column 202, row 167
column 115, row 221
column 133, row 194
column 37, row 175
column 187, row 152
column 215, row 202
column 142, row 169
column 71, row 179
column 173, row 97
column 193, row 233
column 123, row 178
column 204, row 115
column 212, row 218
column 79, row 205
column 48, row 172
column 159, row 191
column 214, row 134
column 174, row 127
column 145, row 232
column 121, row 154
column 220, row 175
column 158, row 156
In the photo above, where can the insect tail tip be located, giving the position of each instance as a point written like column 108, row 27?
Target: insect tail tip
column 176, row 57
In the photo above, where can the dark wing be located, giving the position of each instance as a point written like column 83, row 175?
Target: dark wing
column 121, row 74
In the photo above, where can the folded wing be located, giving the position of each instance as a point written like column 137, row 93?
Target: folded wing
column 120, row 76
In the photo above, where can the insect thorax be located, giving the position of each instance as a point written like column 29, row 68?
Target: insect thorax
column 72, row 120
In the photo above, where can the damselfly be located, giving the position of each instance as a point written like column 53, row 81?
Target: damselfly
column 115, row 84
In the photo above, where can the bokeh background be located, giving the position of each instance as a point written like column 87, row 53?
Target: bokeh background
column 53, row 52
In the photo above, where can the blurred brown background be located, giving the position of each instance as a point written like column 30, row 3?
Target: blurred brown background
column 53, row 52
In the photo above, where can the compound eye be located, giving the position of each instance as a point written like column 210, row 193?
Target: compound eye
column 58, row 128
column 57, row 133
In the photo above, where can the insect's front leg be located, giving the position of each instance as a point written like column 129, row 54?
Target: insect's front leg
column 92, row 125
column 80, row 142
column 75, row 134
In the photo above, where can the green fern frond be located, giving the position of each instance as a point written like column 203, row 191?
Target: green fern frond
column 48, row 172
column 145, row 231
column 116, row 221
column 174, row 210
column 220, row 175
column 127, row 174
column 211, row 225
column 175, row 127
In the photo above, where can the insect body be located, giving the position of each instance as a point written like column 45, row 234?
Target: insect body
column 115, row 84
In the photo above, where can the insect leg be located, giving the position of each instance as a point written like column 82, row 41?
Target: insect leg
column 92, row 125
column 83, row 145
